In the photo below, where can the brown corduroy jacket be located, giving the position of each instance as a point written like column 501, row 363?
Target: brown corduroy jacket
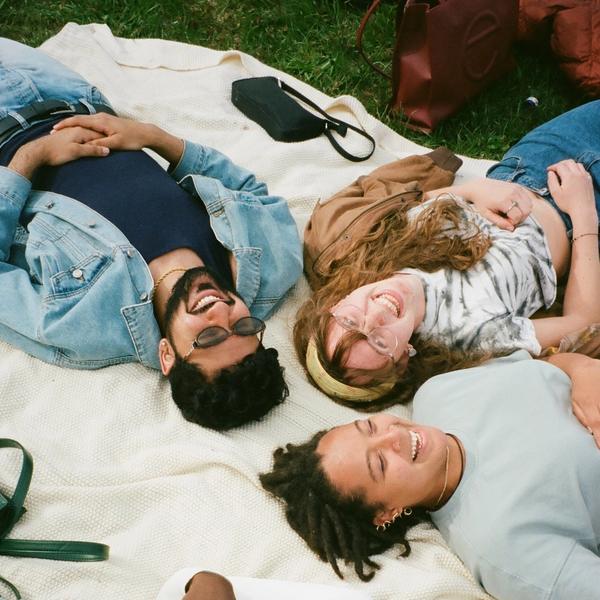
column 337, row 225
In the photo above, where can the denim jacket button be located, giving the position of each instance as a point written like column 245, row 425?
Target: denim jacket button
column 77, row 273
column 49, row 204
column 92, row 225
column 130, row 252
column 144, row 297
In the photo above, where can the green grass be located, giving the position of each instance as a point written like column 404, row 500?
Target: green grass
column 314, row 41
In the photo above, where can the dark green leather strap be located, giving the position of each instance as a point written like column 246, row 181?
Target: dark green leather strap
column 50, row 549
column 11, row 587
column 55, row 550
column 12, row 512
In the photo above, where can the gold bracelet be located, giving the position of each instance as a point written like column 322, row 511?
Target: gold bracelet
column 582, row 235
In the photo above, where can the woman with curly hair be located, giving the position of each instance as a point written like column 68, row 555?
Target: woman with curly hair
column 428, row 287
column 502, row 467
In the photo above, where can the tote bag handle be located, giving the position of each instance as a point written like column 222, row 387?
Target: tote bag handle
column 13, row 510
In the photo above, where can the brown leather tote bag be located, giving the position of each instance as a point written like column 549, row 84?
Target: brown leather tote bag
column 446, row 51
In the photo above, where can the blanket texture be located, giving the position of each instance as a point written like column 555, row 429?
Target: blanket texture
column 114, row 460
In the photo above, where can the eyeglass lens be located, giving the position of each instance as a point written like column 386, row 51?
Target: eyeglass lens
column 352, row 318
column 211, row 336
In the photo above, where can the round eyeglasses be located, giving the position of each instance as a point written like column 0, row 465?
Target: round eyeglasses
column 381, row 339
column 215, row 335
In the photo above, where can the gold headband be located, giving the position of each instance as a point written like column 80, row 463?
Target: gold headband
column 337, row 389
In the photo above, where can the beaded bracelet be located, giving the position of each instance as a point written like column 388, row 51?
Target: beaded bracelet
column 582, row 235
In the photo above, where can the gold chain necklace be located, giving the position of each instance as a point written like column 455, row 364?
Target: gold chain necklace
column 164, row 276
column 445, row 478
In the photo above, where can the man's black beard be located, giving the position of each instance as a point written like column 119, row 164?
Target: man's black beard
column 183, row 288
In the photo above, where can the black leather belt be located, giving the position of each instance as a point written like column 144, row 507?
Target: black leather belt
column 40, row 111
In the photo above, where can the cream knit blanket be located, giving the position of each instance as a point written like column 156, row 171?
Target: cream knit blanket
column 114, row 460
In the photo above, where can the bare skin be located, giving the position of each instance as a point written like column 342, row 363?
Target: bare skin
column 395, row 464
column 207, row 585
column 571, row 188
column 584, row 372
column 507, row 205
column 380, row 458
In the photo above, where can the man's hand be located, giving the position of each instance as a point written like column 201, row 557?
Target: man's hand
column 56, row 149
column 117, row 133
column 585, row 392
column 113, row 132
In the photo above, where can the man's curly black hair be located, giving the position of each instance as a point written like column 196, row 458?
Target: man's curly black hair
column 333, row 525
column 239, row 394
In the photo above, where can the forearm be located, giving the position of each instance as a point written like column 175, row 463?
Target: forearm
column 166, row 145
column 27, row 159
column 583, row 286
column 457, row 190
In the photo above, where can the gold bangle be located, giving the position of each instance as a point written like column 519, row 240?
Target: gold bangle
column 582, row 235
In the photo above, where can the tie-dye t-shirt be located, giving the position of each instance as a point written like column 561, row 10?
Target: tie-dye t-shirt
column 487, row 306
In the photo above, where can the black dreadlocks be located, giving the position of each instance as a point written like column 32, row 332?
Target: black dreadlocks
column 334, row 526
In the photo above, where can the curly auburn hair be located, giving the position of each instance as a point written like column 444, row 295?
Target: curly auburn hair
column 239, row 394
column 438, row 237
column 333, row 525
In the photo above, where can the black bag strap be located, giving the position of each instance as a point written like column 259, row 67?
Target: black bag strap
column 49, row 549
column 332, row 124
column 361, row 29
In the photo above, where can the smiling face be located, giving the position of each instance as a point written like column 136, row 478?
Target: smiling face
column 199, row 300
column 392, row 463
column 396, row 305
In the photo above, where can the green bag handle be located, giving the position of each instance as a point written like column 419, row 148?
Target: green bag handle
column 55, row 550
column 12, row 511
column 11, row 587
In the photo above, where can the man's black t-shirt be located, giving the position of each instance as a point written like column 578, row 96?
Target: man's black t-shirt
column 130, row 189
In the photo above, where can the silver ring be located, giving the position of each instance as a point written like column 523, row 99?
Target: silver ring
column 514, row 204
column 590, row 430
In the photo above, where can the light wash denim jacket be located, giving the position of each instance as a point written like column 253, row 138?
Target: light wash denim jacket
column 73, row 290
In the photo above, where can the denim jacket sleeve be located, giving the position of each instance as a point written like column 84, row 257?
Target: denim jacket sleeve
column 62, row 274
column 17, row 326
column 255, row 226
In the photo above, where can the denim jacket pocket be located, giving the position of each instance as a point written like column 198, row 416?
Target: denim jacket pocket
column 79, row 277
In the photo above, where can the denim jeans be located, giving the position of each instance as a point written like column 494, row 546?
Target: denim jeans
column 28, row 75
column 574, row 134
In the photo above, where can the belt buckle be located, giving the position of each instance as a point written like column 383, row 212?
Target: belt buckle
column 67, row 108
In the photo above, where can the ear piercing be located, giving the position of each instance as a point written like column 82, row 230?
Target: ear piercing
column 405, row 512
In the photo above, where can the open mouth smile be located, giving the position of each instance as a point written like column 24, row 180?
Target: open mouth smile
column 390, row 302
column 416, row 443
column 205, row 299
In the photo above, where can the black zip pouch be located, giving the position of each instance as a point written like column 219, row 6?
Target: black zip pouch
column 265, row 101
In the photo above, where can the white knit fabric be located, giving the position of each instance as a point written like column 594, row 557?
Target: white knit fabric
column 114, row 460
